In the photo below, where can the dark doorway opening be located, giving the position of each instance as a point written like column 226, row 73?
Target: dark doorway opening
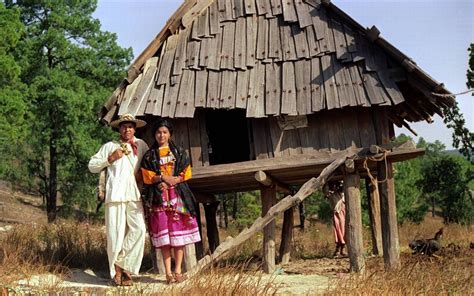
column 228, row 136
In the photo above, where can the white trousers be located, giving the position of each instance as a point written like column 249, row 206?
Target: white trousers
column 126, row 230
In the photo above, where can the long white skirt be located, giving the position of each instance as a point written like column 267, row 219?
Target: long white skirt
column 126, row 231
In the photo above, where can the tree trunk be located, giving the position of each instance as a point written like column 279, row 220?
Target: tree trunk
column 53, row 168
column 224, row 207
column 234, row 206
column 433, row 203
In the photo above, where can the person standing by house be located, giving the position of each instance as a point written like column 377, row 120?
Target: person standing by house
column 334, row 192
column 124, row 216
column 172, row 207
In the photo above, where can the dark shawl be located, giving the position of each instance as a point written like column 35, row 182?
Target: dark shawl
column 151, row 195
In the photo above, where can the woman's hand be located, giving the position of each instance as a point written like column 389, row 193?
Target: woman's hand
column 170, row 180
column 163, row 186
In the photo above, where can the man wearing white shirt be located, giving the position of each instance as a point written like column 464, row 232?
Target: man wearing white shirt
column 124, row 218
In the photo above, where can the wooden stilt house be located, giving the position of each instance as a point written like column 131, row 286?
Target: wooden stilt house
column 264, row 94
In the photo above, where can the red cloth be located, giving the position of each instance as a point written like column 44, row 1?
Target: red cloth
column 134, row 146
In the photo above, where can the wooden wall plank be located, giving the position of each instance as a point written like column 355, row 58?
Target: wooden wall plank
column 318, row 101
column 185, row 101
column 390, row 87
column 320, row 122
column 366, row 127
column 170, row 98
column 256, row 100
column 192, row 54
column 167, row 62
column 340, row 41
column 262, row 38
column 239, row 10
column 227, row 57
column 329, row 34
column 180, row 55
column 194, row 30
column 303, row 83
column 142, row 91
column 200, row 92
column 260, row 135
column 180, row 134
column 272, row 88
column 128, row 95
column 251, row 39
column 228, row 89
column 203, row 28
column 263, row 7
column 205, row 50
column 215, row 52
column 274, row 42
column 287, row 42
column 277, row 138
column 213, row 89
column 242, row 89
column 276, row 7
column 288, row 100
column 301, row 44
column 313, row 43
column 240, row 44
column 302, row 11
column 213, row 18
column 350, row 128
column 358, row 86
column 289, row 11
column 334, row 125
column 204, row 137
column 344, row 90
column 350, row 39
column 332, row 100
column 195, row 142
column 249, row 6
column 155, row 100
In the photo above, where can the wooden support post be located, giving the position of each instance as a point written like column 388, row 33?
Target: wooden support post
column 373, row 201
column 354, row 222
column 302, row 216
column 268, row 195
column 211, row 224
column 388, row 209
column 388, row 212
column 190, row 257
column 157, row 260
column 286, row 236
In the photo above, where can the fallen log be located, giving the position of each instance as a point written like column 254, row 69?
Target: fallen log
column 289, row 201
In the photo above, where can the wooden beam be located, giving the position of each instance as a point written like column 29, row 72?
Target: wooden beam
column 354, row 222
column 268, row 195
column 307, row 189
column 267, row 180
column 286, row 236
column 374, row 215
column 190, row 256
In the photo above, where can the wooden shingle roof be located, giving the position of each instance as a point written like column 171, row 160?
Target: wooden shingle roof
column 272, row 57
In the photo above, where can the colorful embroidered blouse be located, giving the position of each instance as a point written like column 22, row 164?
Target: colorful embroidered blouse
column 167, row 161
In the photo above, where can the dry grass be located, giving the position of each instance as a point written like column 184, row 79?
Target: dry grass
column 27, row 250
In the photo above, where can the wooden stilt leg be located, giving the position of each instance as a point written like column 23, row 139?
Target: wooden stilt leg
column 268, row 195
column 286, row 236
column 388, row 212
column 354, row 222
column 374, row 215
column 211, row 224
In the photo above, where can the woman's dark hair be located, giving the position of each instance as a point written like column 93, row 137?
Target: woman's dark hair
column 157, row 125
column 163, row 123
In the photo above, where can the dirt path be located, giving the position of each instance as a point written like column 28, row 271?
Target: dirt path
column 86, row 282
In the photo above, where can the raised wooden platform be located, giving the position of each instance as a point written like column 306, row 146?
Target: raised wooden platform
column 291, row 170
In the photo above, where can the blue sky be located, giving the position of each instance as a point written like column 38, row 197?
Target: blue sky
column 434, row 33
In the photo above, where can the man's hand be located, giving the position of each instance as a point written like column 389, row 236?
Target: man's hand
column 117, row 154
column 163, row 186
column 170, row 180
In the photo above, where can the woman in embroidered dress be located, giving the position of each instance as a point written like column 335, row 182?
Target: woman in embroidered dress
column 172, row 207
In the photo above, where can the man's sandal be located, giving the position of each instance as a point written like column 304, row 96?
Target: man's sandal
column 126, row 278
